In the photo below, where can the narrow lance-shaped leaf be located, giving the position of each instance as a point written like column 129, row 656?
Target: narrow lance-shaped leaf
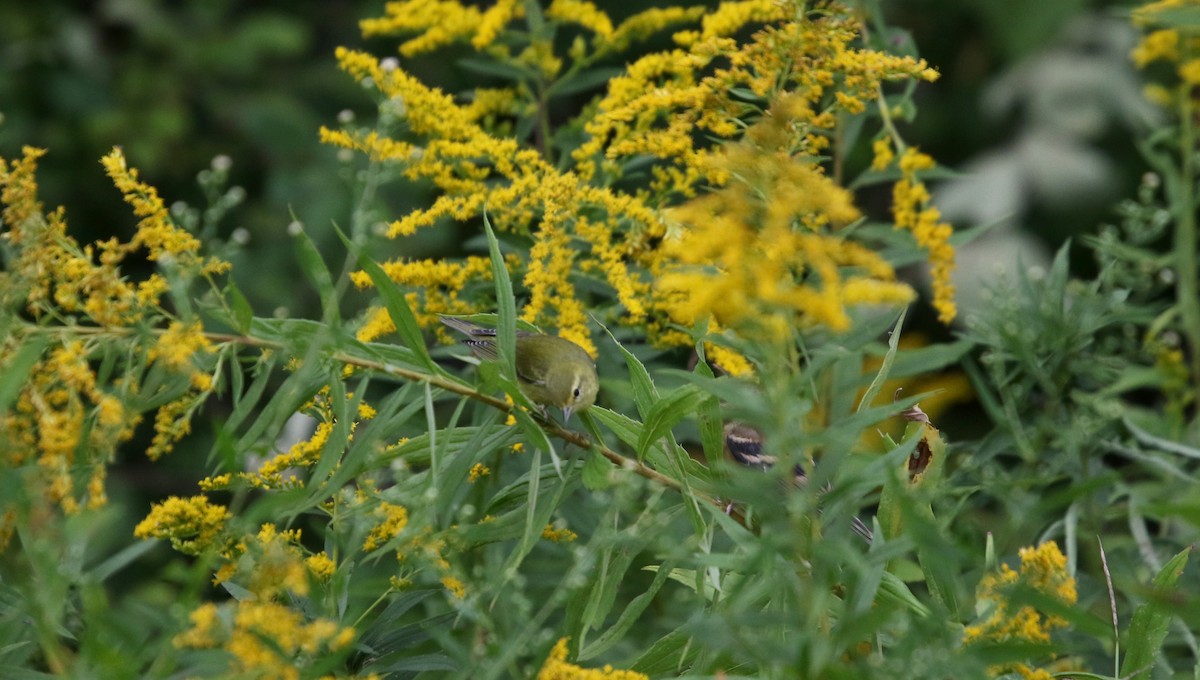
column 1151, row 620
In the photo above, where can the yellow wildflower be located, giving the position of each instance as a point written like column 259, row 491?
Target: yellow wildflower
column 264, row 639
column 557, row 668
column 583, row 13
column 757, row 170
column 393, row 520
column 912, row 212
column 455, row 586
column 320, row 565
column 192, row 524
column 1043, row 569
column 440, row 22
column 493, row 20
column 478, row 471
column 179, row 344
column 563, row 535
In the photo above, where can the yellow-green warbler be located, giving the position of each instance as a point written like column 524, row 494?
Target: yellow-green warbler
column 551, row 371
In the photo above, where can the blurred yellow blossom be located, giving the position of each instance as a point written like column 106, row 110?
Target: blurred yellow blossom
column 563, row 535
column 738, row 220
column 1167, row 40
column 1043, row 569
column 478, row 471
column 320, row 565
column 583, row 13
column 192, row 524
column 556, row 667
column 65, row 422
column 265, row 639
column 912, row 211
column 268, row 563
column 393, row 520
column 455, row 586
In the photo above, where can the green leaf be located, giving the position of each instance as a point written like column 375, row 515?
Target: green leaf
column 596, row 469
column 243, row 313
column 886, row 367
column 16, row 369
column 537, row 437
column 893, row 589
column 928, row 359
column 627, row 429
column 631, row 615
column 711, row 422
column 496, row 69
column 644, row 392
column 582, row 81
column 506, row 327
column 1152, row 620
column 666, row 412
column 608, row 576
column 667, row 655
column 117, row 562
column 313, row 266
column 400, row 312
column 1158, row 442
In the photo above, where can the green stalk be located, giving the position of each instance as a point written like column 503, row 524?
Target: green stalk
column 1188, row 292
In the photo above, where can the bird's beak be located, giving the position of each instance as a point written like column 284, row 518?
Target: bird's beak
column 566, row 414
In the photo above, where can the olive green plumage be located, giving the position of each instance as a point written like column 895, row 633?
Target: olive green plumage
column 551, row 371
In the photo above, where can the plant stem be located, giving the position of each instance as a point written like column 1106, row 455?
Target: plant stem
column 1188, row 292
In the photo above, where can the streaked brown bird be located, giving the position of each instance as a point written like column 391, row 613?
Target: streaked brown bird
column 744, row 445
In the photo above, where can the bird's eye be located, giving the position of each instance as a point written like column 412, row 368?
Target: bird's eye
column 576, row 392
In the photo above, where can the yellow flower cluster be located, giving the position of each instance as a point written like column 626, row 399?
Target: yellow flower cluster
column 193, row 525
column 455, row 586
column 760, row 254
column 1178, row 45
column 582, row 13
column 65, row 423
column 177, row 348
column 913, row 212
column 55, row 275
column 519, row 187
column 271, row 563
column 265, row 639
column 392, row 520
column 557, row 668
column 748, row 122
column 282, row 471
column 563, row 535
column 478, row 471
column 61, row 413
column 1043, row 569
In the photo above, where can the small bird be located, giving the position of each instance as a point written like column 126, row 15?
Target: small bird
column 551, row 371
column 744, row 445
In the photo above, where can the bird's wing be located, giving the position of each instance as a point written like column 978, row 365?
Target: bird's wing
column 529, row 371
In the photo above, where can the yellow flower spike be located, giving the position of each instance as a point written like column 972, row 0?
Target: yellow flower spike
column 582, row 13
column 1043, row 569
column 556, row 667
column 455, row 586
column 477, row 472
column 393, row 520
column 19, row 195
column 807, row 68
column 492, row 22
column 192, row 524
column 264, row 639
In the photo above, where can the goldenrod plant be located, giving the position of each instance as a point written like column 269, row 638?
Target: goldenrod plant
column 712, row 215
